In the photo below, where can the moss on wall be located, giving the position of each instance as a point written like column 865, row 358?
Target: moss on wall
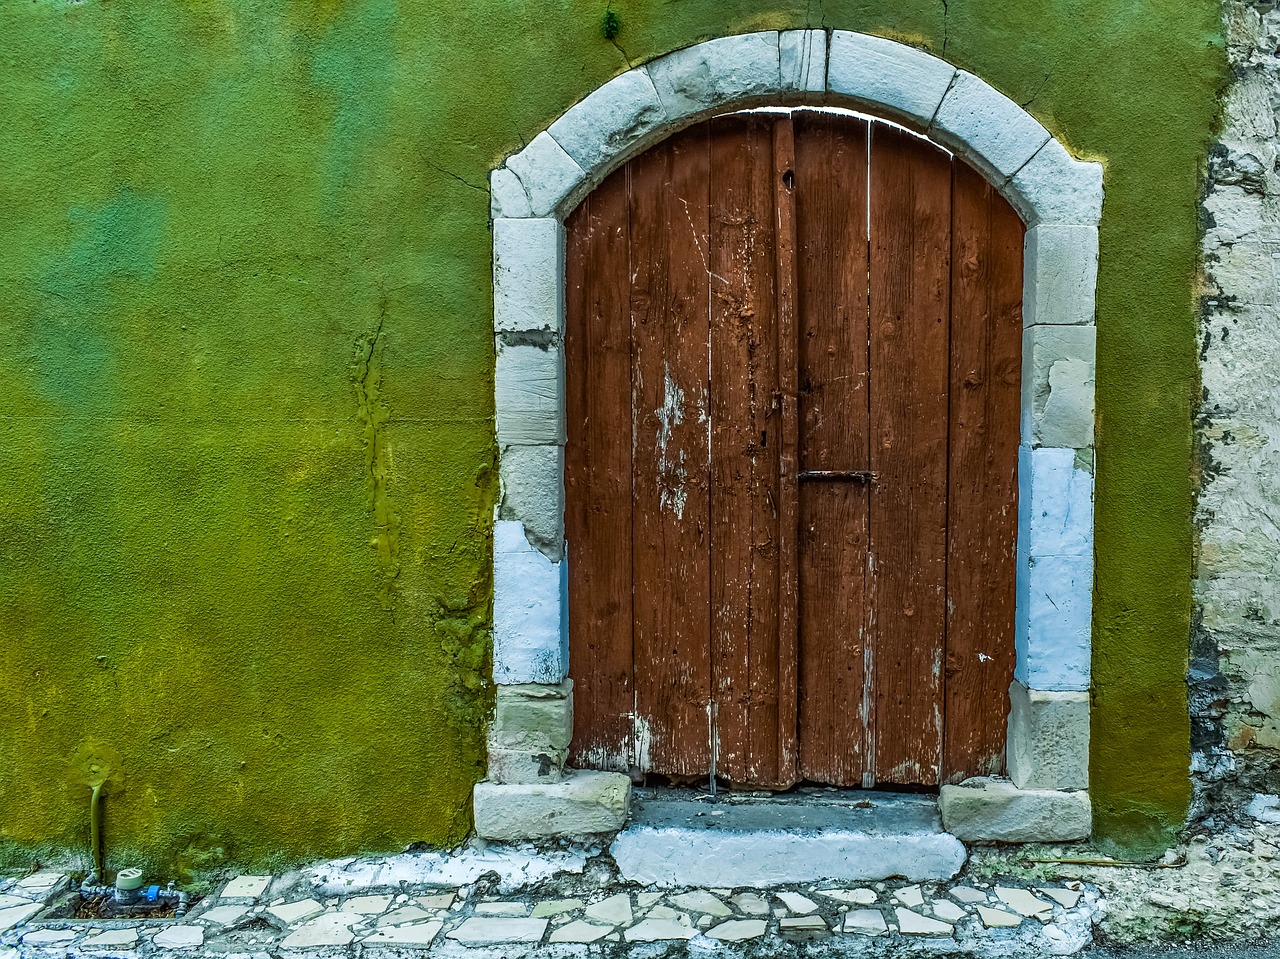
column 246, row 391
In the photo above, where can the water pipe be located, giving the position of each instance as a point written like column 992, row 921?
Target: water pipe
column 95, row 829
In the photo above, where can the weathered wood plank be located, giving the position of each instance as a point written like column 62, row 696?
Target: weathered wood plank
column 831, row 222
column 986, row 365
column 910, row 270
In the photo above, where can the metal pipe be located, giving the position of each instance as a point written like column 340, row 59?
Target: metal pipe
column 95, row 829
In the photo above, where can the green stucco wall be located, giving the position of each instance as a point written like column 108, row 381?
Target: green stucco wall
column 246, row 391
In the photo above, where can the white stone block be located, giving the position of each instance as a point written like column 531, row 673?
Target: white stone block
column 583, row 803
column 528, row 274
column 1052, row 621
column 802, row 56
column 533, row 716
column 1048, row 744
column 697, row 79
column 524, row 766
column 533, row 493
column 1055, row 187
column 906, row 82
column 987, row 128
column 609, row 121
column 547, row 173
column 1058, row 364
column 1060, row 275
column 529, row 393
column 530, row 597
column 1055, row 501
column 506, row 195
column 990, row 810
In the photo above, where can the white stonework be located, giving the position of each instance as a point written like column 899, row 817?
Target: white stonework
column 991, row 810
column 1058, row 196
column 584, row 803
column 1048, row 743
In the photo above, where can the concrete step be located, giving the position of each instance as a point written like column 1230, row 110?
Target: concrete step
column 678, row 838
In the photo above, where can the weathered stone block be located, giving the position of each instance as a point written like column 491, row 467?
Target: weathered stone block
column 1055, row 501
column 987, row 128
column 534, row 716
column 990, row 810
column 1048, row 745
column 1060, row 275
column 906, row 82
column 802, row 58
column 533, row 493
column 610, row 120
column 524, row 766
column 547, row 173
column 529, row 392
column 528, row 275
column 506, row 195
column 530, row 638
column 1055, row 187
column 1052, row 621
column 583, row 803
column 1058, row 364
column 700, row 78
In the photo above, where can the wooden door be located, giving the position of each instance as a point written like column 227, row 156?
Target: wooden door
column 793, row 360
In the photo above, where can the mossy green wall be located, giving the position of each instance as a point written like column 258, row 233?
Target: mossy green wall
column 246, row 391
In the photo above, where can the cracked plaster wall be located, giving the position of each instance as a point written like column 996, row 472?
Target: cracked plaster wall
column 246, row 393
column 1235, row 670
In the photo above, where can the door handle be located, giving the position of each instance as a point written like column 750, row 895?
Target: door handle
column 854, row 476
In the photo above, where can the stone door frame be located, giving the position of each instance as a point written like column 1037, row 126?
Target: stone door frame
column 1060, row 201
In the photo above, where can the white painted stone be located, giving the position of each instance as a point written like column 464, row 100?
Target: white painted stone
column 547, row 173
column 528, row 275
column 530, row 642
column 910, row 896
column 502, row 909
column 408, row 934
column 1052, row 617
column 245, row 887
column 1058, row 385
column 802, row 924
column 610, row 121
column 529, row 393
column 968, row 894
column 586, row 802
column 227, row 915
column 751, row 904
column 798, row 904
column 948, row 911
column 1055, row 510
column 112, row 939
column 405, row 914
column 16, row 915
column 699, row 900
column 506, row 195
column 289, row 912
column 889, row 76
column 658, row 930
column 614, row 911
column 738, row 70
column 737, row 930
column 1048, row 738
column 1022, row 901
column 476, row 930
column 802, row 58
column 1055, row 187
column 852, row 897
column 179, row 937
column 985, row 127
column 913, row 924
column 366, row 905
column 1067, row 898
column 46, row 937
column 555, row 907
column 989, row 810
column 868, row 922
column 441, row 900
column 998, row 918
column 666, row 912
column 579, row 931
column 1059, row 275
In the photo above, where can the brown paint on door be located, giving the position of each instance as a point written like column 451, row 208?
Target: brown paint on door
column 765, row 311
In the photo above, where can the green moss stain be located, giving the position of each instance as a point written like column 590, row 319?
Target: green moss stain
column 246, row 395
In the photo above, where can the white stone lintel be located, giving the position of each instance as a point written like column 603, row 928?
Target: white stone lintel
column 887, row 76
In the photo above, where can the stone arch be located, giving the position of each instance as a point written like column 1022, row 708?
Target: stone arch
column 1060, row 201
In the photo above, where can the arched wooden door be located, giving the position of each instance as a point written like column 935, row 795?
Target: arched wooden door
column 793, row 346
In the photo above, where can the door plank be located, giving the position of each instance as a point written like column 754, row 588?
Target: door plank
column 910, row 212
column 986, row 368
column 745, row 442
column 831, row 223
column 598, row 477
column 669, row 328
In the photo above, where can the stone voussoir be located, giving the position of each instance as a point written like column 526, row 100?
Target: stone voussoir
column 802, row 56
column 698, row 79
column 990, row 810
column 887, row 75
column 1055, row 187
column 584, row 803
column 547, row 173
column 610, row 120
column 987, row 128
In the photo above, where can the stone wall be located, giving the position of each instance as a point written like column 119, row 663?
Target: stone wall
column 1235, row 664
